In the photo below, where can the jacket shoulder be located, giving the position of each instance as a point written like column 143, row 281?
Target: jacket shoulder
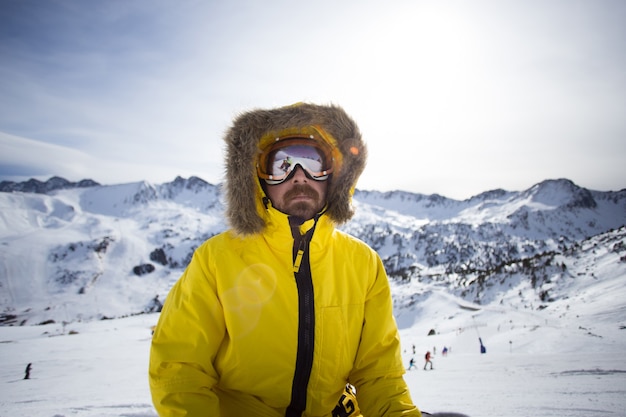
column 349, row 239
column 354, row 244
column 220, row 242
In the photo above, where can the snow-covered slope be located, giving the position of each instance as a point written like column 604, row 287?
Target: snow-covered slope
column 563, row 360
column 80, row 251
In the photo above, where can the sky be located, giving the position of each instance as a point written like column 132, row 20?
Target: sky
column 452, row 97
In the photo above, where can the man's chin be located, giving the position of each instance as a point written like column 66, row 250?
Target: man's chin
column 303, row 209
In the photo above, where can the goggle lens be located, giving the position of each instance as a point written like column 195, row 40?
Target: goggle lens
column 282, row 160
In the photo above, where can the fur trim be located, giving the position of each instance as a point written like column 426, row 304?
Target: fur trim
column 244, row 196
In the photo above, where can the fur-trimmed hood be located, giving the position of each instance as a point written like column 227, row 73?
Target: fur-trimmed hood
column 244, row 194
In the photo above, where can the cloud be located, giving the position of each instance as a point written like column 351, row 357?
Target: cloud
column 24, row 158
column 21, row 155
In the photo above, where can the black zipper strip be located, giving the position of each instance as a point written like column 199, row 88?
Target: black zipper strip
column 306, row 320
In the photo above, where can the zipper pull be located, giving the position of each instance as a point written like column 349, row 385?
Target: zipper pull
column 298, row 261
column 300, row 254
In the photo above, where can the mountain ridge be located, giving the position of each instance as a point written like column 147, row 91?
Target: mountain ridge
column 71, row 251
column 42, row 187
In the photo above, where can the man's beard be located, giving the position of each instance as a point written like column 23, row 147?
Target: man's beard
column 303, row 209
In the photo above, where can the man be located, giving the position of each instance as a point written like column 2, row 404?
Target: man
column 428, row 360
column 283, row 314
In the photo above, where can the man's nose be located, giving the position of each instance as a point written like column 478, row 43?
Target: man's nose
column 299, row 174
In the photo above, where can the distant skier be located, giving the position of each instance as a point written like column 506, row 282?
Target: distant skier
column 412, row 364
column 27, row 372
column 428, row 361
column 483, row 349
column 286, row 164
column 444, row 352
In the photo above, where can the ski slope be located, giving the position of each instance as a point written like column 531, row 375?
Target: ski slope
column 535, row 365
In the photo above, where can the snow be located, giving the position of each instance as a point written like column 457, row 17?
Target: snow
column 83, row 369
column 537, row 363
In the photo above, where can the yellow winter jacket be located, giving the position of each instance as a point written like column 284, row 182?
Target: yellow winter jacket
column 227, row 337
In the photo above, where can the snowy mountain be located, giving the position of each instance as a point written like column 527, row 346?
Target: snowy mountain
column 84, row 251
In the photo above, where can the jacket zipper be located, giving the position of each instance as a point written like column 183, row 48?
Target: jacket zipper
column 306, row 324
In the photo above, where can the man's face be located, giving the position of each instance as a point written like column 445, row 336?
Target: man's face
column 299, row 195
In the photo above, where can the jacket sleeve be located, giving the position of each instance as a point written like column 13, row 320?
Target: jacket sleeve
column 378, row 369
column 184, row 344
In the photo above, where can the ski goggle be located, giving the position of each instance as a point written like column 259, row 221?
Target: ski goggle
column 279, row 161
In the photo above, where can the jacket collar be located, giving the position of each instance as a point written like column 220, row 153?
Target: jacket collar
column 278, row 229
